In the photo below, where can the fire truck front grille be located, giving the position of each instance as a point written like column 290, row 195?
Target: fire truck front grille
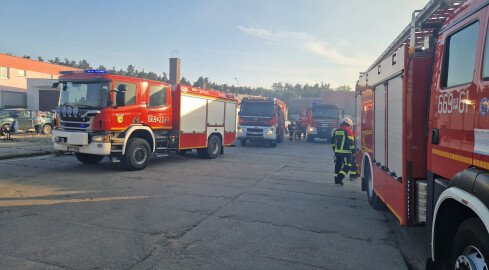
column 75, row 123
column 324, row 124
column 255, row 130
column 255, row 124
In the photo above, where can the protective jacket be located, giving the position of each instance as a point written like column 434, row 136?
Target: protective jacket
column 342, row 140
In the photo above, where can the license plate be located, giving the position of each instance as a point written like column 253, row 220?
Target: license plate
column 73, row 149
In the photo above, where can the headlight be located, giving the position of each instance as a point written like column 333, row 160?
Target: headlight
column 69, row 110
column 311, row 129
column 76, row 110
column 270, row 132
column 58, row 110
column 63, row 110
column 240, row 131
column 100, row 139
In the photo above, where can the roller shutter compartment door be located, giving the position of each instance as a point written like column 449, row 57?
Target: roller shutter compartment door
column 358, row 118
column 394, row 126
column 379, row 124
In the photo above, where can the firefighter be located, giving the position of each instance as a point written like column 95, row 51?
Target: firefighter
column 353, row 169
column 297, row 131
column 291, row 130
column 342, row 144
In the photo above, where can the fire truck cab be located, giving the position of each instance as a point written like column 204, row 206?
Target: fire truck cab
column 261, row 119
column 319, row 120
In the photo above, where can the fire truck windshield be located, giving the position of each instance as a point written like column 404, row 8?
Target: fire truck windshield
column 324, row 113
column 257, row 109
column 89, row 94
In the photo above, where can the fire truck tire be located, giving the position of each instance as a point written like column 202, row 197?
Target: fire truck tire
column 273, row 143
column 471, row 246
column 373, row 199
column 88, row 159
column 137, row 154
column 243, row 142
column 280, row 138
column 310, row 139
column 213, row 147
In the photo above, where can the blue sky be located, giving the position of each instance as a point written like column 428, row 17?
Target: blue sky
column 259, row 42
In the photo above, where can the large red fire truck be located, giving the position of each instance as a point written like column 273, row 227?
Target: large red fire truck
column 261, row 119
column 423, row 130
column 319, row 120
column 129, row 119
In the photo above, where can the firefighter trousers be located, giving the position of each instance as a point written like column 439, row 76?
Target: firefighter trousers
column 342, row 166
column 353, row 169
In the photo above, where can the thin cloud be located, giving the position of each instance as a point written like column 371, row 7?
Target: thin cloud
column 306, row 41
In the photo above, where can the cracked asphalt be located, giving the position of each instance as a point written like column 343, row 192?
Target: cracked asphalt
column 255, row 207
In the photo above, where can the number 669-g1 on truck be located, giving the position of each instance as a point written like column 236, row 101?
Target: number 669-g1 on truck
column 129, row 119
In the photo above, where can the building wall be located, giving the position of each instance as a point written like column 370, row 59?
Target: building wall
column 47, row 73
column 345, row 99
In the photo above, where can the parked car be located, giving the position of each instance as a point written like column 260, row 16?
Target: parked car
column 25, row 121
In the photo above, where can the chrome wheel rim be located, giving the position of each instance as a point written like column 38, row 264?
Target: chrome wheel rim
column 140, row 154
column 471, row 259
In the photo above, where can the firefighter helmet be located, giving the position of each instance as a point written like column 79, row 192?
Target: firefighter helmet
column 348, row 121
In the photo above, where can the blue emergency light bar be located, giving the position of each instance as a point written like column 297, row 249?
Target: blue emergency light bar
column 86, row 71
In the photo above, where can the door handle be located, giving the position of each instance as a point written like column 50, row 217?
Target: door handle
column 435, row 136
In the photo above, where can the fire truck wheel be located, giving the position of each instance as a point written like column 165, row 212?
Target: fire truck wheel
column 373, row 199
column 137, row 154
column 46, row 129
column 273, row 143
column 88, row 159
column 213, row 147
column 310, row 138
column 471, row 246
column 243, row 142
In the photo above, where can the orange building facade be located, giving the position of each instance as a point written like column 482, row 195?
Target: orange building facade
column 24, row 82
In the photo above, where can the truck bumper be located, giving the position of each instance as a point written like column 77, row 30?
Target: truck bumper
column 320, row 132
column 72, row 141
column 257, row 133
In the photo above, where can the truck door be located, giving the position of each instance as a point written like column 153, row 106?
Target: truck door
column 451, row 142
column 123, row 116
column 159, row 114
column 481, row 131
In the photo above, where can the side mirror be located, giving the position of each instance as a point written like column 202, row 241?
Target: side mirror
column 120, row 98
column 55, row 85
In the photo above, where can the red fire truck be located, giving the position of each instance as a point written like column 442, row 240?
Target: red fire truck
column 261, row 119
column 423, row 130
column 319, row 120
column 129, row 119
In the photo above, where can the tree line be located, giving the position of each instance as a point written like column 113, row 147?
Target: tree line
column 280, row 90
